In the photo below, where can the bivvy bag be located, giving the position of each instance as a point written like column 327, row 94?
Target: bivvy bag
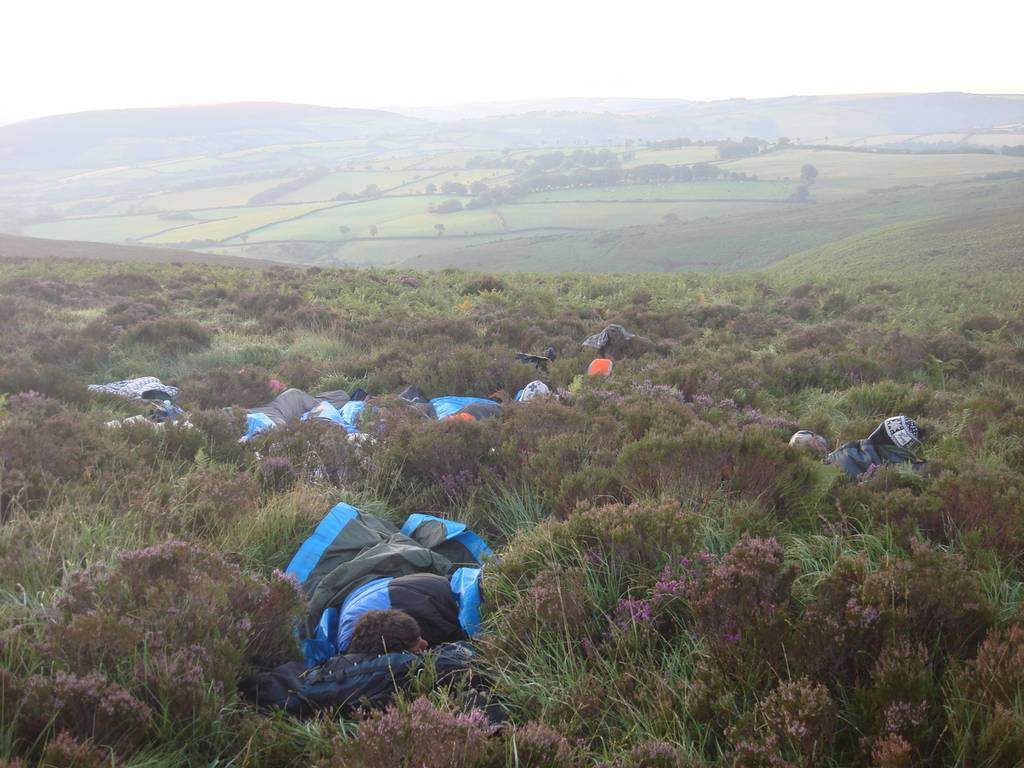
column 348, row 564
column 450, row 405
column 602, row 366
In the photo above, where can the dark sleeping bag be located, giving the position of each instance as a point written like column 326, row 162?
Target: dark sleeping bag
column 351, row 681
column 426, row 597
column 348, row 565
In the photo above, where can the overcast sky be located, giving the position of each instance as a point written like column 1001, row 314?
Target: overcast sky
column 72, row 55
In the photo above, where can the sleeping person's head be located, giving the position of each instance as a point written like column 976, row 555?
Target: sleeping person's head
column 389, row 631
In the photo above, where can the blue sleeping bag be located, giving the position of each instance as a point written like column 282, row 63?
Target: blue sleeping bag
column 355, row 562
column 450, row 405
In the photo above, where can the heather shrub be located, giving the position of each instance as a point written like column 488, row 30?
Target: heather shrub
column 896, row 709
column 985, row 505
column 644, row 535
column 655, row 754
column 553, row 459
column 987, row 696
column 931, row 597
column 269, row 301
column 129, row 312
column 958, row 356
column 88, row 707
column 126, row 283
column 418, row 735
column 740, row 602
column 482, row 285
column 174, row 441
column 276, row 473
column 595, row 486
column 317, row 451
column 299, row 371
column 655, row 411
column 556, row 602
column 466, row 370
column 221, row 428
column 49, row 291
column 982, row 324
column 42, row 447
column 170, row 335
column 65, row 751
column 175, row 624
column 209, row 500
column 536, row 745
column 525, row 426
column 885, row 398
column 243, row 387
column 1007, row 371
column 19, row 376
column 839, row 633
column 427, row 451
column 753, row 464
column 796, row 725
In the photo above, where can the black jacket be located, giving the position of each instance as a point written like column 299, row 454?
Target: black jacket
column 349, row 682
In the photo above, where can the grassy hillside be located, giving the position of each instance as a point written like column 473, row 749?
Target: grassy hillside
column 676, row 586
column 971, row 246
column 31, row 248
column 729, row 237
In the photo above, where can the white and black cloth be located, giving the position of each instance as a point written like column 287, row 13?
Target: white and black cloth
column 142, row 388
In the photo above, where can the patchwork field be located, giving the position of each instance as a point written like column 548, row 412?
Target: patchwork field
column 315, row 193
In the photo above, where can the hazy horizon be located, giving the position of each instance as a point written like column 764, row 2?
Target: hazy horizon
column 58, row 57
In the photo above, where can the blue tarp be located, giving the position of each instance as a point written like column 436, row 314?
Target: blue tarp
column 348, row 416
column 447, row 406
column 255, row 423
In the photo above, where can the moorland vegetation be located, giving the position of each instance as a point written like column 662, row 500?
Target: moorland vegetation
column 676, row 586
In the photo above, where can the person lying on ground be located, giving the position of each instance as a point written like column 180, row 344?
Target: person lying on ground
column 894, row 441
column 386, row 656
column 811, row 441
column 424, row 597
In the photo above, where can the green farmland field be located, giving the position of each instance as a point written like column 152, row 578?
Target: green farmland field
column 223, row 224
column 860, row 171
column 358, row 217
column 105, row 229
column 698, row 190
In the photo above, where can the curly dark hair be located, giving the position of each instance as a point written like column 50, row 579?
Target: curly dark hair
column 389, row 631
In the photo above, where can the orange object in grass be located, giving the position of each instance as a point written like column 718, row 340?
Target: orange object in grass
column 602, row 366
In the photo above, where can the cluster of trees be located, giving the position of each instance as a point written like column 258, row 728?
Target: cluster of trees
column 287, row 187
column 369, row 191
column 599, row 177
column 730, row 150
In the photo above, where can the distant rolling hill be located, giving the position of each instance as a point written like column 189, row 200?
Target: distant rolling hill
column 600, row 120
column 87, row 140
column 116, row 137
column 14, row 247
column 750, row 240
